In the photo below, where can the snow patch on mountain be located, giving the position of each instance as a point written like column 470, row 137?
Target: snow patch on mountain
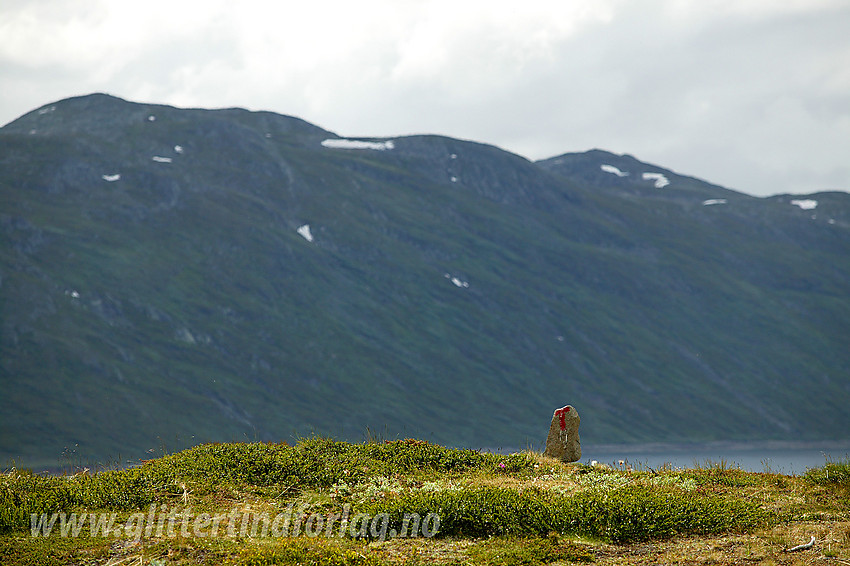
column 160, row 159
column 614, row 170
column 358, row 144
column 660, row 180
column 457, row 281
column 712, row 201
column 805, row 204
column 304, row 230
column 111, row 178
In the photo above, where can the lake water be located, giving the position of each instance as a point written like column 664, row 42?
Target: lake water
column 779, row 457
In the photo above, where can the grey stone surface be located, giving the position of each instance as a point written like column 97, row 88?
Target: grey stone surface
column 563, row 441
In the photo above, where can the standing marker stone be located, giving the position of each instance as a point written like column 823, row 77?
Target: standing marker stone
column 563, row 441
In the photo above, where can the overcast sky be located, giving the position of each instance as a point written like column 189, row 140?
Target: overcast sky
column 750, row 94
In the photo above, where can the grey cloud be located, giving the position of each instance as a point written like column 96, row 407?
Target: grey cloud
column 751, row 96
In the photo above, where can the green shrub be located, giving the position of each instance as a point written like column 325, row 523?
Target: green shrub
column 312, row 463
column 477, row 512
column 22, row 493
column 234, row 463
column 625, row 514
column 321, row 462
column 832, row 473
column 637, row 513
column 117, row 489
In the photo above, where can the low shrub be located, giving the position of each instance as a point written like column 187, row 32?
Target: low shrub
column 312, row 463
column 625, row 514
column 117, row 489
column 832, row 473
column 319, row 462
column 23, row 493
column 640, row 512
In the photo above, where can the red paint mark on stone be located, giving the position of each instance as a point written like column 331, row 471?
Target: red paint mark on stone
column 562, row 416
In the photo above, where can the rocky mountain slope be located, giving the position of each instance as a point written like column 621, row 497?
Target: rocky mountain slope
column 171, row 276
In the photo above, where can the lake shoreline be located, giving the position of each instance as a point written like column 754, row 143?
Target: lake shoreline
column 724, row 445
column 785, row 457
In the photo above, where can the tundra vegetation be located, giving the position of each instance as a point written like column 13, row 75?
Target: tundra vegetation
column 522, row 508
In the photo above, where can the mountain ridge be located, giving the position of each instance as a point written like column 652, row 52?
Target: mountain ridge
column 449, row 290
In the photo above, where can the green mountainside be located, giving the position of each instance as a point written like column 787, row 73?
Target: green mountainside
column 219, row 275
